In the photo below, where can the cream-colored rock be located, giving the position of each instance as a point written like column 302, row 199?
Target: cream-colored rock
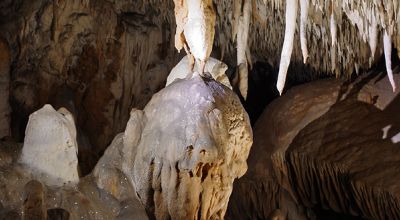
column 195, row 20
column 215, row 67
column 114, row 171
column 194, row 144
column 50, row 148
column 378, row 90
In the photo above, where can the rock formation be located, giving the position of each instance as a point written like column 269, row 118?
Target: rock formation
column 194, row 144
column 328, row 146
column 41, row 179
column 110, row 56
column 213, row 66
column 195, row 20
column 326, row 155
column 50, row 146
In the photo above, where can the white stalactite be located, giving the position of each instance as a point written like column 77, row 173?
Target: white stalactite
column 304, row 4
column 333, row 29
column 199, row 29
column 290, row 27
column 387, row 47
column 242, row 46
column 373, row 37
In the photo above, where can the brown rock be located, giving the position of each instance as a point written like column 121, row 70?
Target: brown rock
column 34, row 204
column 5, row 111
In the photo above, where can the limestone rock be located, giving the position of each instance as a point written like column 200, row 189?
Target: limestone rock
column 327, row 149
column 114, row 171
column 278, row 125
column 350, row 165
column 108, row 172
column 34, row 203
column 50, row 148
column 111, row 56
column 194, row 144
column 378, row 90
column 213, row 66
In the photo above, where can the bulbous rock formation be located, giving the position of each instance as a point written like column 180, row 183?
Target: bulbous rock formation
column 50, row 146
column 194, row 144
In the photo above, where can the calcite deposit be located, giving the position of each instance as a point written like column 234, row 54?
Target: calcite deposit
column 50, row 146
column 195, row 143
column 213, row 67
column 103, row 116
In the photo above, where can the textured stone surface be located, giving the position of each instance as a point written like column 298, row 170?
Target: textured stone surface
column 50, row 147
column 34, row 203
column 213, row 66
column 113, row 55
column 321, row 145
column 109, row 55
column 20, row 190
column 273, row 132
column 345, row 157
column 114, row 171
column 194, row 144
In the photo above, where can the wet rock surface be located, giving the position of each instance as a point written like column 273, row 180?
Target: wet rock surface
column 194, row 144
column 180, row 167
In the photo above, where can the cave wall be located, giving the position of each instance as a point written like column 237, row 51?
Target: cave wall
column 101, row 58
column 97, row 58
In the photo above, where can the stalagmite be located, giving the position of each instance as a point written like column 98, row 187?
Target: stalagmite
column 50, row 146
column 290, row 27
column 242, row 46
column 387, row 46
column 304, row 4
column 194, row 144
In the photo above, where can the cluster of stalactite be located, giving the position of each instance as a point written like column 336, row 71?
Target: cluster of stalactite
column 351, row 34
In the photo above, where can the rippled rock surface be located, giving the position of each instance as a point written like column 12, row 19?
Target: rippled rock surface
column 326, row 145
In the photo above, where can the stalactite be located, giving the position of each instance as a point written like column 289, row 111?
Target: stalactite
column 199, row 29
column 333, row 30
column 304, row 4
column 373, row 37
column 290, row 18
column 387, row 46
column 242, row 45
column 195, row 31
